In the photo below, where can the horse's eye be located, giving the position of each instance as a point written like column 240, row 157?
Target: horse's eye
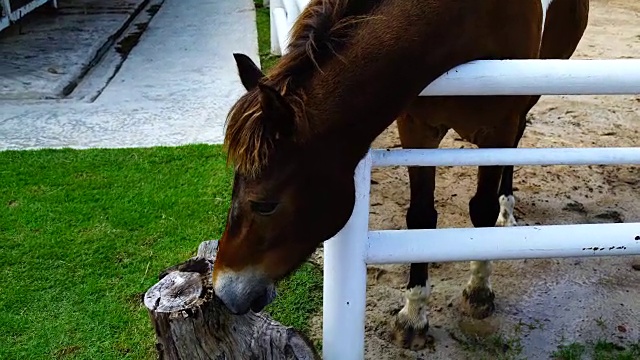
column 264, row 208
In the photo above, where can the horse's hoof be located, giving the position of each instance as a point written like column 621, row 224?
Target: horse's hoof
column 410, row 325
column 409, row 337
column 478, row 302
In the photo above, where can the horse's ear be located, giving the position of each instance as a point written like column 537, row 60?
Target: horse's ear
column 249, row 73
column 279, row 113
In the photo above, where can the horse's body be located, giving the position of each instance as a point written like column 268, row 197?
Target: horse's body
column 353, row 68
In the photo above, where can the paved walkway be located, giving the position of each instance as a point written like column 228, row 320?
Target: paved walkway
column 175, row 87
column 44, row 55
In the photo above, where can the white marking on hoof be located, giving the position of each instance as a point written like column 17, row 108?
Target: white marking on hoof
column 507, row 206
column 415, row 312
column 480, row 275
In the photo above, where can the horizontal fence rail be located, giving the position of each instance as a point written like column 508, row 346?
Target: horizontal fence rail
column 539, row 77
column 346, row 255
column 502, row 243
column 517, row 156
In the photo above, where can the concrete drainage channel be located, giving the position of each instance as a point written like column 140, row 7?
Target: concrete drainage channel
column 73, row 54
column 107, row 66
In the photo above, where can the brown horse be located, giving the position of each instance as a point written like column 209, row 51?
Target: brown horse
column 352, row 68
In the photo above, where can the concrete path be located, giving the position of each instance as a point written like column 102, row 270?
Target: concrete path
column 175, row 87
column 44, row 55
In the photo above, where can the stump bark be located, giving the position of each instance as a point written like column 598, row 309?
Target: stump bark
column 191, row 323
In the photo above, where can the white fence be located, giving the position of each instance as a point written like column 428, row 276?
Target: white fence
column 348, row 253
column 10, row 14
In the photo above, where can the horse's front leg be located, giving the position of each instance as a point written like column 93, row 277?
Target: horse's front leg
column 411, row 324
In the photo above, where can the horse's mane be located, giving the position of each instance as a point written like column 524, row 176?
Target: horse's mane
column 321, row 30
column 318, row 33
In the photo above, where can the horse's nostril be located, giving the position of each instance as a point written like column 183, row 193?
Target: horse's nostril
column 267, row 296
column 259, row 303
column 235, row 309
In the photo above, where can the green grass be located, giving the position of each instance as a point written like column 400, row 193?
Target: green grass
column 264, row 38
column 498, row 346
column 573, row 351
column 600, row 350
column 299, row 297
column 84, row 233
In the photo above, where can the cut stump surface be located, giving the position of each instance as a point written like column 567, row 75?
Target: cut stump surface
column 191, row 323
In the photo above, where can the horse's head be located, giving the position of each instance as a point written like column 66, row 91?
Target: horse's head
column 291, row 191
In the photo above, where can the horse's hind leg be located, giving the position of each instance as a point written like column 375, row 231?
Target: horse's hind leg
column 477, row 297
column 486, row 209
column 565, row 25
column 411, row 324
column 505, row 194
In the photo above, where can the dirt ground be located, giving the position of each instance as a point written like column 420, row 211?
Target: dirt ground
column 539, row 303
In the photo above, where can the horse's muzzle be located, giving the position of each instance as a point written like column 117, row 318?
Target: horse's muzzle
column 241, row 292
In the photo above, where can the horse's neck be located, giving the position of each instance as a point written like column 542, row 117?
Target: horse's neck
column 359, row 94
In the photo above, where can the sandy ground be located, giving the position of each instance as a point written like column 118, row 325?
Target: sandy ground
column 554, row 301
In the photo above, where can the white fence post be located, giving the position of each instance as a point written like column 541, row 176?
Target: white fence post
column 279, row 18
column 275, row 42
column 345, row 278
column 283, row 14
column 291, row 7
column 302, row 4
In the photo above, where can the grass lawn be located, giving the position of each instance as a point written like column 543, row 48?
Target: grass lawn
column 600, row 350
column 84, row 233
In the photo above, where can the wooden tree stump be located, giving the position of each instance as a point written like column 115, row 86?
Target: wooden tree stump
column 191, row 323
